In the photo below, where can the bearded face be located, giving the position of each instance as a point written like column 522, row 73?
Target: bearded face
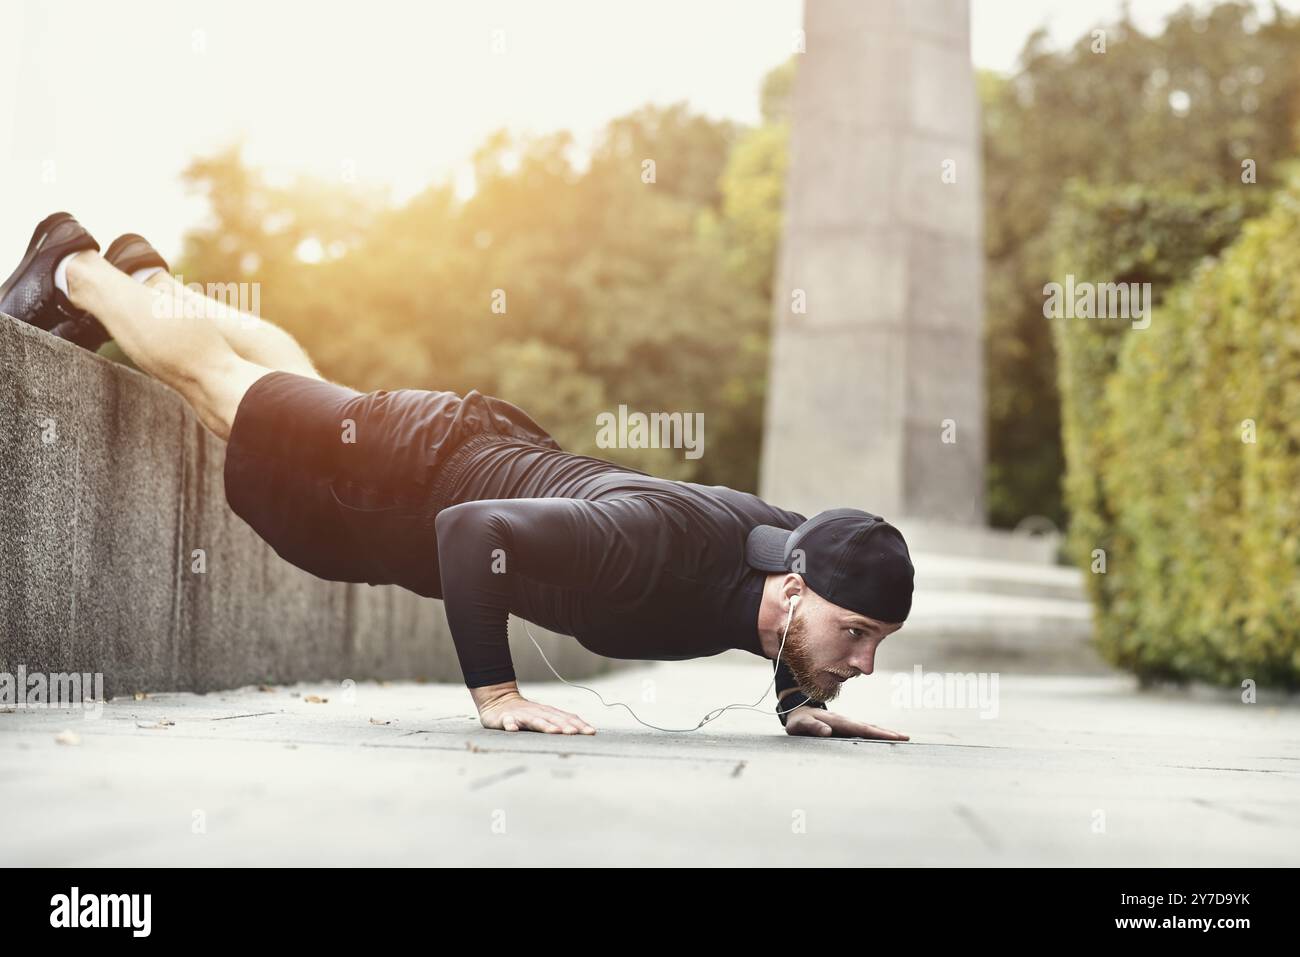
column 827, row 645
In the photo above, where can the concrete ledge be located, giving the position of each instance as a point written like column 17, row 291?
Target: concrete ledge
column 978, row 542
column 108, row 484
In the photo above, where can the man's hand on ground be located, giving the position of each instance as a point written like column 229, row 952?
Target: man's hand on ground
column 818, row 723
column 503, row 708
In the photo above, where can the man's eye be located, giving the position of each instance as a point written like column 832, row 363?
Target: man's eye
column 855, row 632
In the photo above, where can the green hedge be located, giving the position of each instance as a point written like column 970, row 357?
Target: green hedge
column 1201, row 530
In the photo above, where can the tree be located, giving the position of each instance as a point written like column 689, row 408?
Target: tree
column 1182, row 109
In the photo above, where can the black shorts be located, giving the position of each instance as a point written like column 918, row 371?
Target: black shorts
column 346, row 484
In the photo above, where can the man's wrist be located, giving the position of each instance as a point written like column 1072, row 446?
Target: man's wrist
column 488, row 695
column 795, row 699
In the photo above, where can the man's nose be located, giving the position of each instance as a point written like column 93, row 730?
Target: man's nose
column 864, row 661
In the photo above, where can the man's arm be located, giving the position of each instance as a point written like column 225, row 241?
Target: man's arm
column 485, row 547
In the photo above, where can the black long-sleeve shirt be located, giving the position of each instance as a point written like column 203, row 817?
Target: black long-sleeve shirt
column 630, row 565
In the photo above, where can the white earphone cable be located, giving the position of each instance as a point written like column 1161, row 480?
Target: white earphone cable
column 710, row 716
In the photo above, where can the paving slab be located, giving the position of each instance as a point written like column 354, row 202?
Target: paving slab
column 1070, row 771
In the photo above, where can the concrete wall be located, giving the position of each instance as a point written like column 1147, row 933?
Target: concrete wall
column 889, row 257
column 107, row 485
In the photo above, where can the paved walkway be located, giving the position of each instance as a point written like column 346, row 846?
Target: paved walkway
column 1071, row 770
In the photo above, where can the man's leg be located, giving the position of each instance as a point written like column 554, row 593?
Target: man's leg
column 252, row 337
column 190, row 355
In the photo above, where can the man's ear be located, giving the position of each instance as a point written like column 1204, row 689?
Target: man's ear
column 792, row 588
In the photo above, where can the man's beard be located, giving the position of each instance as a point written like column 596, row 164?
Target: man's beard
column 798, row 658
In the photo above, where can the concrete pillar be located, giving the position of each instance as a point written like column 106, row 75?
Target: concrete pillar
column 885, row 361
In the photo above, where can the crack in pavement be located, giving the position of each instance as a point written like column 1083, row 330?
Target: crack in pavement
column 232, row 717
column 464, row 747
column 1249, row 816
column 1198, row 767
column 982, row 831
column 499, row 776
column 478, row 749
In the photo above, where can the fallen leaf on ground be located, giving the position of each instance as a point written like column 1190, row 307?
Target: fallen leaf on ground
column 315, row 699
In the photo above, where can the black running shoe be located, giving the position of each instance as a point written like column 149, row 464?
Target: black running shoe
column 30, row 294
column 131, row 252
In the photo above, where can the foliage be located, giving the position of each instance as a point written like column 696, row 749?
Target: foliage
column 1183, row 438
column 1183, row 109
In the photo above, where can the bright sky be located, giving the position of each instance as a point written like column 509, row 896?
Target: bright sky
column 102, row 104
